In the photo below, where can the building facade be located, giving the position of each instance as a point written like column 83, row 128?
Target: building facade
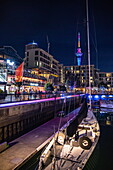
column 39, row 60
column 9, row 60
column 106, row 79
column 79, row 75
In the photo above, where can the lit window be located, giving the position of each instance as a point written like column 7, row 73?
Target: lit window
column 108, row 74
column 71, row 68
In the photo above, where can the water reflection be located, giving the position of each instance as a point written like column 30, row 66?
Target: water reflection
column 106, row 117
column 102, row 157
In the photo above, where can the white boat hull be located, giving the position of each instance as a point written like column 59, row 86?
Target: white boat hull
column 72, row 156
column 106, row 104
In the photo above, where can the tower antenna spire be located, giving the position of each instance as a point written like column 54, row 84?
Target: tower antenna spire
column 48, row 44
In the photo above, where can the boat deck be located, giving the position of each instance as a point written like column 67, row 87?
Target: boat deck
column 23, row 147
column 73, row 156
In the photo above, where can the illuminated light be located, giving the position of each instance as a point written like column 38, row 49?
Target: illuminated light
column 79, row 44
column 68, row 97
column 108, row 122
column 1, row 61
column 90, row 97
column 103, row 96
column 33, row 43
column 33, row 84
column 32, row 79
column 79, row 50
column 79, row 53
column 79, row 61
column 108, row 74
column 110, row 95
column 54, row 75
column 33, row 101
column 62, row 97
column 96, row 96
column 10, row 63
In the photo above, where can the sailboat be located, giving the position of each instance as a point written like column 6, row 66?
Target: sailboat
column 73, row 144
column 106, row 104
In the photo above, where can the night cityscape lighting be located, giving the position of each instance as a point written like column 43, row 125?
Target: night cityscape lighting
column 79, row 53
column 49, row 84
column 63, row 39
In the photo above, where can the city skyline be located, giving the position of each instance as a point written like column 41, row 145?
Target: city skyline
column 25, row 21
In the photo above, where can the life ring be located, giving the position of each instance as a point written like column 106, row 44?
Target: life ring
column 85, row 142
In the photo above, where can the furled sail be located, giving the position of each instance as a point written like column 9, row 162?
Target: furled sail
column 71, row 129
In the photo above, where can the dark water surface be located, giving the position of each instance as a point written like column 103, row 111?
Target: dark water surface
column 102, row 157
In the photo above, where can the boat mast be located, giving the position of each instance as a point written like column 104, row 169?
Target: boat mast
column 88, row 42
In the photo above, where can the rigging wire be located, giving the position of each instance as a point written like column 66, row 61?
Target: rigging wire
column 95, row 45
column 89, row 64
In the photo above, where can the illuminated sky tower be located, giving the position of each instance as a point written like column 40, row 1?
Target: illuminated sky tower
column 79, row 53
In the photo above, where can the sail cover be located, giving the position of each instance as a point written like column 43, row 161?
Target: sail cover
column 72, row 128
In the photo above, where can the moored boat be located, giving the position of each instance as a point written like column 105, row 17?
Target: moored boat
column 108, row 104
column 72, row 145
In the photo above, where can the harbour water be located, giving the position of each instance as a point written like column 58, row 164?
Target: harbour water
column 102, row 157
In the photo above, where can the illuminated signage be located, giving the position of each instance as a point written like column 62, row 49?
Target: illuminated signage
column 10, row 63
column 33, row 84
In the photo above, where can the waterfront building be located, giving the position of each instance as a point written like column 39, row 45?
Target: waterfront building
column 106, row 80
column 3, row 75
column 9, row 60
column 80, row 76
column 9, row 53
column 33, row 81
column 41, row 61
column 30, row 81
column 61, row 74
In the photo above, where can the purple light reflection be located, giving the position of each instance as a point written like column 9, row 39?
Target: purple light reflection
column 34, row 101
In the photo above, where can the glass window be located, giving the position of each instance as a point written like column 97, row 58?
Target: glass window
column 41, row 53
column 27, row 53
column 36, row 52
column 36, row 58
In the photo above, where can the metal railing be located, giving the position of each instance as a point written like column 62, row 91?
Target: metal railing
column 8, row 98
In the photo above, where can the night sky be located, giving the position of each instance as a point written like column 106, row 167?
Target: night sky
column 21, row 22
